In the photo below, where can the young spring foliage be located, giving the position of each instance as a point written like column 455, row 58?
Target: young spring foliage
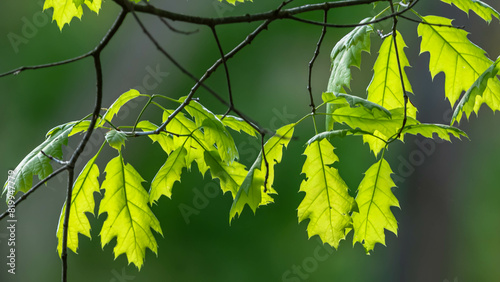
column 191, row 133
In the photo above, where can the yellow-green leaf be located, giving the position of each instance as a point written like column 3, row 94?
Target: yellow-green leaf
column 116, row 139
column 129, row 219
column 374, row 200
column 486, row 89
column 230, row 176
column 214, row 131
column 166, row 141
column 82, row 202
column 428, row 130
column 482, row 9
column 118, row 104
column 385, row 89
column 66, row 10
column 451, row 52
column 327, row 202
column 168, row 174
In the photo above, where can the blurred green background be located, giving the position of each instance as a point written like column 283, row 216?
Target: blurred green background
column 449, row 222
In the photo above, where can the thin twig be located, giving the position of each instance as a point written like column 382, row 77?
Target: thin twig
column 169, row 26
column 394, row 35
column 265, row 162
column 228, row 80
column 61, row 162
column 392, row 15
column 311, row 63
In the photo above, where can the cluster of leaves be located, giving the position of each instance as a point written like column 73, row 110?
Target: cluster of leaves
column 200, row 136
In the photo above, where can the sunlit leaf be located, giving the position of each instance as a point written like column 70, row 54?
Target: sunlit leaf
column 374, row 200
column 485, row 89
column 250, row 191
column 166, row 141
column 385, row 89
column 327, row 203
column 451, row 52
column 66, row 10
column 119, row 103
column 168, row 174
column 428, row 131
column 215, row 132
column 129, row 218
column 238, row 124
column 82, row 202
column 482, row 9
column 230, row 176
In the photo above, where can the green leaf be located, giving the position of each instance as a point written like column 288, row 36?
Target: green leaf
column 374, row 200
column 129, row 219
column 486, row 89
column 347, row 53
column 66, row 10
column 385, row 89
column 116, row 139
column 428, row 130
column 251, row 190
column 35, row 163
column 187, row 135
column 82, row 202
column 327, row 202
column 214, row 130
column 230, row 176
column 340, row 133
column 465, row 62
column 238, row 124
column 168, row 174
column 274, row 152
column 116, row 106
column 372, row 121
column 482, row 9
column 166, row 141
column 353, row 102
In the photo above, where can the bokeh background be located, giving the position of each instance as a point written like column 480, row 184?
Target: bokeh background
column 449, row 221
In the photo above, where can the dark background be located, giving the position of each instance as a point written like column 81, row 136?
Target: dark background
column 449, row 221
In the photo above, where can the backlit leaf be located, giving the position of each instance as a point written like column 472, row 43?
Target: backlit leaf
column 374, row 200
column 230, row 176
column 168, row 174
column 482, row 9
column 486, row 89
column 82, row 202
column 238, row 124
column 250, row 191
column 129, row 219
column 385, row 89
column 451, row 52
column 428, row 131
column 166, row 141
column 327, row 203
column 215, row 132
column 66, row 10
column 119, row 103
